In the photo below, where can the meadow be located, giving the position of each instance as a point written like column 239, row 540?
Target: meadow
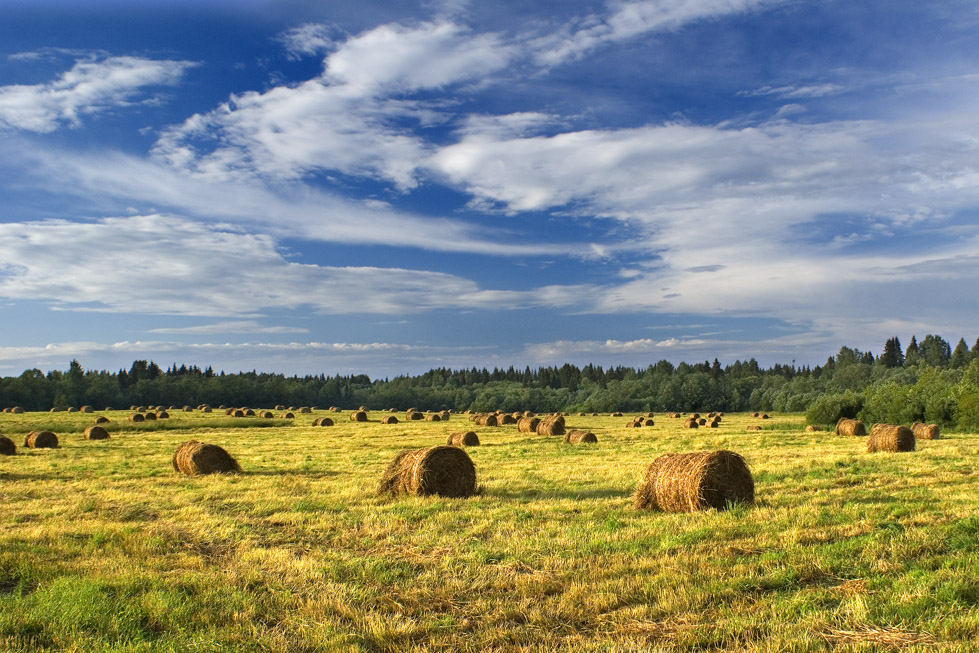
column 103, row 547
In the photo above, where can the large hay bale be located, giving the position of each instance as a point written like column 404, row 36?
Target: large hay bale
column 207, row 409
column 488, row 420
column 137, row 417
column 577, row 436
column 249, row 412
column 17, row 410
column 890, row 437
column 691, row 423
column 187, row 409
column 389, row 419
column 266, row 414
column 41, row 440
column 444, row 415
column 237, row 412
column 149, row 417
column 193, row 457
column 445, row 470
column 926, row 431
column 528, row 424
column 635, row 422
column 753, row 428
column 685, row 482
column 162, row 414
column 850, row 427
column 7, row 446
column 95, row 432
column 506, row 420
column 413, row 416
column 713, row 424
column 72, row 409
column 433, row 418
column 553, row 425
column 322, row 421
column 288, row 416
column 463, row 439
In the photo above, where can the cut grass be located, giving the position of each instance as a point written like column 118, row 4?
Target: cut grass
column 103, row 548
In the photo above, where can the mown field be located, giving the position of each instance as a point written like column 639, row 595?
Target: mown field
column 104, row 548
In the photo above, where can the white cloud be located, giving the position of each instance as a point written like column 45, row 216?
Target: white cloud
column 89, row 88
column 309, row 39
column 236, row 326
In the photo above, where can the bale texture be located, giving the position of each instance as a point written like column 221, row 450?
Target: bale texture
column 463, row 439
column 812, row 428
column 926, row 431
column 528, row 424
column 7, row 446
column 577, row 436
column 41, row 440
column 553, row 425
column 95, row 432
column 193, row 457
column 686, row 482
column 850, row 427
column 753, row 428
column 890, row 437
column 446, row 471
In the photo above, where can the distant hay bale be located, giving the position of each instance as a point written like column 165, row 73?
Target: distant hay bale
column 756, row 414
column 72, row 409
column 850, row 427
column 7, row 446
column 162, row 414
column 577, row 436
column 765, row 416
column 686, row 482
column 266, row 414
column 463, row 439
column 445, row 470
column 695, row 416
column 890, row 437
column 812, row 428
column 582, row 414
column 207, row 409
column 616, row 414
column 634, row 423
column 17, row 410
column 445, row 415
column 322, row 421
column 95, row 432
column 506, row 420
column 433, row 418
column 702, row 421
column 101, row 419
column 149, row 417
column 487, row 420
column 713, row 424
column 304, row 410
column 358, row 416
column 193, row 458
column 528, row 424
column 140, row 409
column 237, row 413
column 187, row 409
column 231, row 411
column 925, row 431
column 137, row 417
column 249, row 412
column 690, row 423
column 413, row 416
column 389, row 419
column 753, row 428
column 552, row 425
column 288, row 416
column 86, row 409
column 41, row 440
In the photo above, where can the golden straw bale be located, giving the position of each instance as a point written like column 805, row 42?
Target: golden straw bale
column 690, row 423
column 686, row 482
column 850, row 427
column 433, row 418
column 702, row 421
column 414, row 416
column 193, row 458
column 149, row 417
column 577, row 436
column 7, row 446
column 890, row 437
column 528, row 424
column 389, row 419
column 86, row 409
column 444, row 415
column 41, row 440
column 812, row 428
column 287, row 416
column 505, row 420
column 101, row 419
column 17, row 410
column 445, row 470
column 137, row 417
column 551, row 425
column 358, row 416
column 305, row 410
column 322, row 421
column 926, row 431
column 162, row 414
column 95, row 432
column 463, row 439
column 753, row 428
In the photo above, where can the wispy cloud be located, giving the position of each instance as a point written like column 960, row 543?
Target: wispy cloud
column 231, row 327
column 89, row 88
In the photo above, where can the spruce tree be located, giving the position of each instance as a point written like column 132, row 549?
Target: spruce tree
column 911, row 354
column 892, row 355
column 960, row 355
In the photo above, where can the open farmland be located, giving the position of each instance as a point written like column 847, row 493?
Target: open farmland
column 103, row 547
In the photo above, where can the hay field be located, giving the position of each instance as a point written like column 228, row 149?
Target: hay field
column 103, row 547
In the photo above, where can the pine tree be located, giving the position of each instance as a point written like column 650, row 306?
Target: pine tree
column 911, row 355
column 960, row 355
column 892, row 355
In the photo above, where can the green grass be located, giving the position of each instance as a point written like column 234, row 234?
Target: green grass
column 104, row 548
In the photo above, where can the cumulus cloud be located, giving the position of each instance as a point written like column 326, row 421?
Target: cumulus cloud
column 89, row 88
column 309, row 39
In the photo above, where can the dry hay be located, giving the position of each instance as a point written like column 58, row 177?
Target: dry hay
column 413, row 416
column 503, row 420
column 17, row 410
column 95, row 432
column 41, row 440
column 322, row 421
column 187, row 409
column 231, row 411
column 358, row 416
column 433, row 418
column 765, row 416
column 850, row 427
column 528, row 424
column 444, row 415
column 149, row 417
column 86, row 409
column 463, row 439
column 695, row 416
column 713, row 424
column 616, row 414
column 702, row 421
column 140, row 409
column 266, row 414
column 685, row 482
column 582, row 414
column 71, row 409
column 926, row 431
column 389, row 419
column 487, row 420
column 890, row 437
column 445, row 470
column 553, row 425
column 162, row 414
column 237, row 413
column 753, row 428
column 635, row 422
column 690, row 423
column 193, row 457
column 756, row 414
column 812, row 428
column 7, row 446
column 137, row 417
column 288, row 416
column 304, row 410
column 207, row 409
column 576, row 436
column 101, row 419
column 249, row 412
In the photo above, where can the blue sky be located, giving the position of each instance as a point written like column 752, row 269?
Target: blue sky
column 386, row 187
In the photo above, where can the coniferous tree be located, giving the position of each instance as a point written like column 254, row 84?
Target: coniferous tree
column 960, row 355
column 892, row 355
column 935, row 351
column 911, row 355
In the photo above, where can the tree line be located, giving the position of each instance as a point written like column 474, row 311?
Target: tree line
column 926, row 381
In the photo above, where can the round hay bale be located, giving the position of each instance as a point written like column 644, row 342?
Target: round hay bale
column 890, row 437
column 231, row 411
column 162, row 414
column 691, row 423
column 137, row 417
column 765, row 416
column 280, row 407
column 528, row 424
column 695, row 416
column 72, row 409
column 389, row 419
column 488, row 420
column 95, row 432
column 756, row 414
column 249, row 412
column 433, row 418
column 17, row 410
column 305, row 409
column 41, row 440
column 850, row 427
column 288, row 416
column 149, row 417
column 463, row 439
column 812, row 428
column 322, row 421
column 7, row 446
column 702, row 421
column 86, row 409
column 753, row 428
column 553, row 425
column 926, row 431
column 187, row 409
column 193, row 458
column 266, row 414
column 237, row 413
column 713, row 424
column 207, row 409
column 577, row 436
column 616, row 414
column 582, row 414
column 413, row 416
column 445, row 470
column 101, row 419
column 635, row 422
column 444, row 415
column 140, row 409
column 358, row 416
column 505, row 420
column 686, row 482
